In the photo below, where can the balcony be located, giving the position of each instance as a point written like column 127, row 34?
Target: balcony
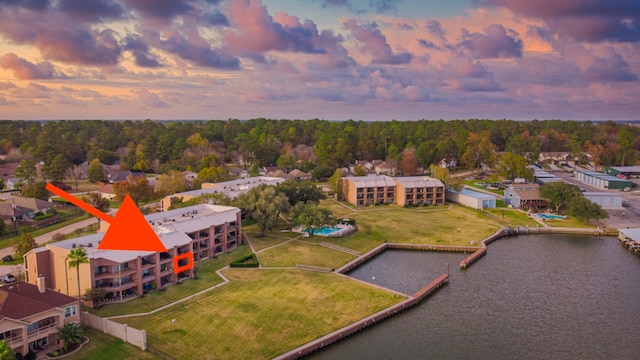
column 14, row 340
column 44, row 330
column 165, row 256
column 148, row 263
column 102, row 274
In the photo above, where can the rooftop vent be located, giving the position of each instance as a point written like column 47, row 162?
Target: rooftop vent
column 73, row 246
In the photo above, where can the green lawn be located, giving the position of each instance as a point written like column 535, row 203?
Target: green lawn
column 568, row 222
column 302, row 252
column 271, row 238
column 438, row 225
column 8, row 242
column 206, row 277
column 512, row 217
column 105, row 347
column 261, row 314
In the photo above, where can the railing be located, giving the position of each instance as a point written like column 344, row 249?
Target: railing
column 42, row 330
column 13, row 341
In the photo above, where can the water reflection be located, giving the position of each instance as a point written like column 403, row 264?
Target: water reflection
column 530, row 297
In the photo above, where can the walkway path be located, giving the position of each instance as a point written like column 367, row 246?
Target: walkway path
column 225, row 280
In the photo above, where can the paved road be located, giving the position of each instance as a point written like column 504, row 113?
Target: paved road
column 627, row 217
column 45, row 238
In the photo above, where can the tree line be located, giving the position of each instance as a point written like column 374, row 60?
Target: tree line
column 153, row 146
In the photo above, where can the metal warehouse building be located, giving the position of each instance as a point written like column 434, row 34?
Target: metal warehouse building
column 601, row 180
column 628, row 171
column 473, row 199
column 604, row 199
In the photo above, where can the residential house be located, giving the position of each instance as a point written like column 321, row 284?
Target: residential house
column 205, row 230
column 17, row 208
column 298, row 175
column 107, row 191
column 8, row 170
column 122, row 175
column 8, row 175
column 525, row 197
column 12, row 184
column 444, row 163
column 556, row 158
column 277, row 173
column 368, row 167
column 30, row 315
column 386, row 168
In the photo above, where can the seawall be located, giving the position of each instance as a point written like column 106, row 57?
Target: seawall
column 366, row 322
column 524, row 231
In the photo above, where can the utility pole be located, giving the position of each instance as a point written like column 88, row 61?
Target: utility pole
column 14, row 218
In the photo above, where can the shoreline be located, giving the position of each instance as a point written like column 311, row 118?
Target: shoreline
column 426, row 291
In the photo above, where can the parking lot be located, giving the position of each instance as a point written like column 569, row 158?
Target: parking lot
column 627, row 217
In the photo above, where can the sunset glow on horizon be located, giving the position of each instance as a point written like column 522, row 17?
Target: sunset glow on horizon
column 327, row 59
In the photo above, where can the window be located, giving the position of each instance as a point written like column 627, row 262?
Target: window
column 32, row 326
column 69, row 311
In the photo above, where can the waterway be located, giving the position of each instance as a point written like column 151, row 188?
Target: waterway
column 530, row 297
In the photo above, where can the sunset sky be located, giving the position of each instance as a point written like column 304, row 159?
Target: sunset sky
column 327, row 59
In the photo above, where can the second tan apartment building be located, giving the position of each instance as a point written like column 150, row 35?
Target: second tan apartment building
column 383, row 189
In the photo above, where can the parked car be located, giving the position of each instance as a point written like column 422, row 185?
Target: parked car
column 7, row 278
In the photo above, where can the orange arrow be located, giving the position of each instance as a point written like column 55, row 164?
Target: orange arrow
column 128, row 230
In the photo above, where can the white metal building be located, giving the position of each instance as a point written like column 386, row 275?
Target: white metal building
column 604, row 199
column 472, row 199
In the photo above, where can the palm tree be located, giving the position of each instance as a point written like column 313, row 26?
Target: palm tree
column 70, row 334
column 76, row 257
column 6, row 353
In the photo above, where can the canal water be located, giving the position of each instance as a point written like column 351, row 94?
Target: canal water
column 530, row 297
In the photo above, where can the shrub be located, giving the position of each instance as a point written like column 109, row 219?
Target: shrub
column 249, row 261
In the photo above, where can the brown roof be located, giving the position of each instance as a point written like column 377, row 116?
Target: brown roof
column 22, row 206
column 107, row 189
column 8, row 170
column 529, row 194
column 20, row 300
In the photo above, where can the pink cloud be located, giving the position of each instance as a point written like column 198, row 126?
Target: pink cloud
column 25, row 70
column 592, row 21
column 496, row 42
column 374, row 42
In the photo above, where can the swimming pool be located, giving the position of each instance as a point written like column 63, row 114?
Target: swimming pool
column 550, row 216
column 325, row 230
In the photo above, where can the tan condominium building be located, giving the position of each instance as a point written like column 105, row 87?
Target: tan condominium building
column 382, row 189
column 205, row 230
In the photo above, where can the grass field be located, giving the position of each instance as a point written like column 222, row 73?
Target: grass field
column 438, row 225
column 272, row 238
column 261, row 314
column 264, row 312
column 8, row 242
column 207, row 277
column 105, row 347
column 303, row 252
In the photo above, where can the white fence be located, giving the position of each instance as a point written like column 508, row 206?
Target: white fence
column 121, row 331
